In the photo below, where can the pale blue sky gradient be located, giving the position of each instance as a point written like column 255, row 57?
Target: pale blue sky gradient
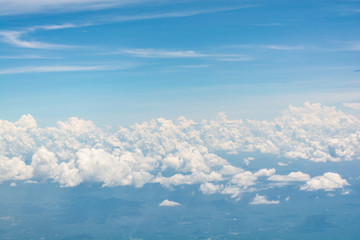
column 124, row 63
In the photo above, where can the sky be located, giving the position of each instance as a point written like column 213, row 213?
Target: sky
column 179, row 119
column 117, row 62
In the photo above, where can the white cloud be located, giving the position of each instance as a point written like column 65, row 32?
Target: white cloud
column 30, row 56
column 154, row 53
column 167, row 203
column 209, row 188
column 176, row 14
column 265, row 172
column 328, row 182
column 259, row 199
column 247, row 160
column 178, row 152
column 345, row 192
column 355, row 106
column 161, row 53
column 281, row 164
column 270, row 47
column 291, row 177
column 284, row 47
column 14, row 169
column 44, row 164
column 11, row 7
column 59, row 68
column 13, row 184
column 14, row 38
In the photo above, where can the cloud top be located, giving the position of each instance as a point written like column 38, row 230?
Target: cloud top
column 77, row 151
column 167, row 203
column 258, row 199
column 328, row 182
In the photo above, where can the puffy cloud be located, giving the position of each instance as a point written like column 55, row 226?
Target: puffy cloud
column 291, row 177
column 328, row 182
column 177, row 152
column 313, row 132
column 167, row 203
column 209, row 188
column 14, row 169
column 179, row 179
column 247, row 160
column 258, row 199
column 44, row 164
column 265, row 172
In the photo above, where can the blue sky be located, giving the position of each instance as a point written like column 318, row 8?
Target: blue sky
column 116, row 62
column 179, row 119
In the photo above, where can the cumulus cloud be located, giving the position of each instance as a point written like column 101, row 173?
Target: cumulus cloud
column 247, row 160
column 14, row 169
column 328, row 182
column 177, row 152
column 259, row 199
column 209, row 188
column 167, row 203
column 291, row 177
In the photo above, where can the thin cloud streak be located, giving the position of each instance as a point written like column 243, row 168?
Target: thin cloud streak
column 160, row 53
column 269, row 47
column 177, row 14
column 14, row 7
column 13, row 38
column 28, row 57
column 59, row 68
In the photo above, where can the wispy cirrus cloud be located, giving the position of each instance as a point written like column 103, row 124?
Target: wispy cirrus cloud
column 175, row 14
column 157, row 53
column 352, row 46
column 56, row 26
column 280, row 47
column 30, row 56
column 57, row 68
column 161, row 53
column 14, row 38
column 284, row 47
column 13, row 7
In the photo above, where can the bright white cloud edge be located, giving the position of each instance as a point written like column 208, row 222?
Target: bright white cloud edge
column 259, row 199
column 168, row 203
column 76, row 151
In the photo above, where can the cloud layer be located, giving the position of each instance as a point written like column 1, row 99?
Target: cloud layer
column 179, row 152
column 10, row 7
column 258, row 199
column 167, row 203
